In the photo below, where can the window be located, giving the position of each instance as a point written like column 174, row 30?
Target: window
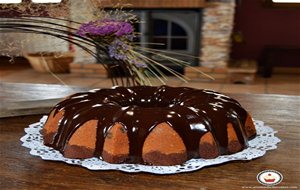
column 169, row 35
column 171, row 30
column 281, row 3
column 286, row 1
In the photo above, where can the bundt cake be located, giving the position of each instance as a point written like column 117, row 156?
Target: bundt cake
column 148, row 125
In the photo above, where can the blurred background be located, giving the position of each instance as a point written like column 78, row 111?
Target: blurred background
column 248, row 46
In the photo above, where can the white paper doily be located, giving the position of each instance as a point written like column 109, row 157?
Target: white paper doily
column 264, row 141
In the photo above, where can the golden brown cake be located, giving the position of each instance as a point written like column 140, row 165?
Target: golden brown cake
column 148, row 125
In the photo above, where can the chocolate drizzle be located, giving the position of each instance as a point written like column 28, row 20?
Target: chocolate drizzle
column 190, row 112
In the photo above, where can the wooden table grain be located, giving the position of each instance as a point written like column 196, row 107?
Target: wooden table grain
column 20, row 170
column 27, row 99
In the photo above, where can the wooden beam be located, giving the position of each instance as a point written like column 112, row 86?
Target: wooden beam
column 156, row 3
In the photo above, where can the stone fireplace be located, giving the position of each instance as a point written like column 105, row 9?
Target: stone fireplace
column 197, row 28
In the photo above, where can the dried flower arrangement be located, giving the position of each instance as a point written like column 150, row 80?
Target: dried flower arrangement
column 111, row 36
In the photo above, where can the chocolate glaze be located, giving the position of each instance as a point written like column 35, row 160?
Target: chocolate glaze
column 190, row 112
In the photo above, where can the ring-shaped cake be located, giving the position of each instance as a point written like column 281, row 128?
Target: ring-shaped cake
column 148, row 125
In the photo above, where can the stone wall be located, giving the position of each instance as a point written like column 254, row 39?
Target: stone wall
column 82, row 11
column 18, row 43
column 218, row 18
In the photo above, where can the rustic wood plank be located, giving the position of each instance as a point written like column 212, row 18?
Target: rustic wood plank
column 18, row 99
column 11, row 109
column 156, row 3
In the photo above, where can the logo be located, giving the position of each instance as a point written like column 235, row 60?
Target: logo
column 269, row 177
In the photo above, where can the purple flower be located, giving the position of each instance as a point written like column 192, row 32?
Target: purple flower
column 118, row 50
column 116, row 35
column 105, row 27
column 121, row 51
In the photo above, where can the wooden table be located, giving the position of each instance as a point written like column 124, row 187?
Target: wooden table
column 20, row 170
column 27, row 99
